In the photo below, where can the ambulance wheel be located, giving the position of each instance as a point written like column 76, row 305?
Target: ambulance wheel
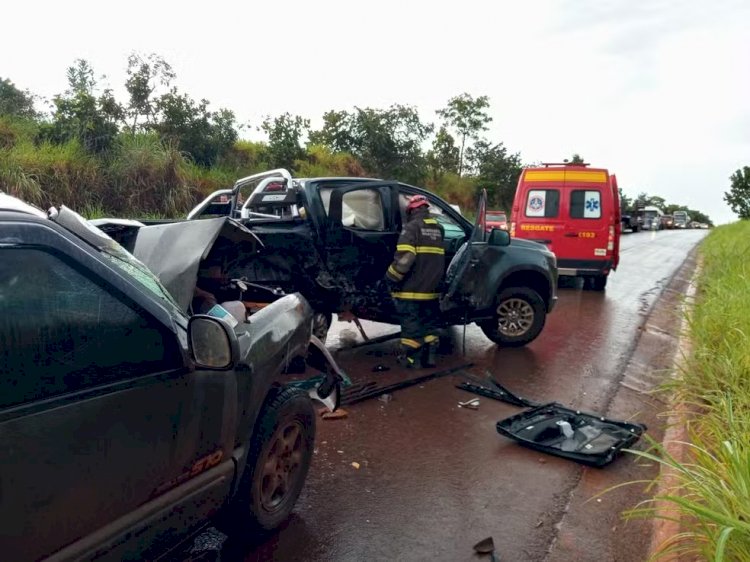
column 519, row 317
column 595, row 282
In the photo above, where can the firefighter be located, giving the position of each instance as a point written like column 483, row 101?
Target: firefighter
column 415, row 276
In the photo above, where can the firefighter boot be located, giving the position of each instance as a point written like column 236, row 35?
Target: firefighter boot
column 429, row 355
column 407, row 357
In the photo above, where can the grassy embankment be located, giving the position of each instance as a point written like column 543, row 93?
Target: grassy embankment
column 142, row 176
column 711, row 488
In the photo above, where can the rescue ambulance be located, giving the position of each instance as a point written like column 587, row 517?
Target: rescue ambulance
column 575, row 211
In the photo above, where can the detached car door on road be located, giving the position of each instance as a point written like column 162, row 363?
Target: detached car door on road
column 100, row 417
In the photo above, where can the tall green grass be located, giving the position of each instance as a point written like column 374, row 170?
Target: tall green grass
column 711, row 486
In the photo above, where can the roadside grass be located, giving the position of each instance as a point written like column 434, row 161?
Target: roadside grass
column 711, row 486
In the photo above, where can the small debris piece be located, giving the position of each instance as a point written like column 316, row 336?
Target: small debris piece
column 484, row 546
column 472, row 404
column 337, row 415
column 385, row 398
column 355, row 465
column 380, row 368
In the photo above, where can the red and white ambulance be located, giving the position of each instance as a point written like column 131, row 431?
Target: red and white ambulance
column 575, row 211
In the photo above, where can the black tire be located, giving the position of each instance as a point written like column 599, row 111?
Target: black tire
column 516, row 330
column 595, row 282
column 284, row 433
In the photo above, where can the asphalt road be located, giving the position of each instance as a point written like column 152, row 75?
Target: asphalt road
column 433, row 478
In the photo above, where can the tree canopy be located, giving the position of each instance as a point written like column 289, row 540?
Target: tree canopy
column 164, row 136
column 738, row 196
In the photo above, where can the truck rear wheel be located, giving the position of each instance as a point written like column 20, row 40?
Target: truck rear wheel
column 519, row 317
column 280, row 454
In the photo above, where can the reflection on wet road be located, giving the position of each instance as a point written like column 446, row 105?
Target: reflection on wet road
column 433, row 478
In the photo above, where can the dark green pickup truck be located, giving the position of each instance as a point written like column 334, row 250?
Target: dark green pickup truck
column 332, row 239
column 127, row 424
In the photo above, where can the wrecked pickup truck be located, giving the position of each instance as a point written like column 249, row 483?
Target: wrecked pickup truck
column 332, row 239
column 128, row 424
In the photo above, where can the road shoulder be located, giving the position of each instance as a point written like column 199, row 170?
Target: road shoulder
column 592, row 526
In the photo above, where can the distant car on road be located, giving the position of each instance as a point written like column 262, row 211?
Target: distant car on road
column 652, row 218
column 496, row 219
column 667, row 221
column 126, row 423
column 681, row 219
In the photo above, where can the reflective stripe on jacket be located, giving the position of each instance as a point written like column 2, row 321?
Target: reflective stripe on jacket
column 419, row 261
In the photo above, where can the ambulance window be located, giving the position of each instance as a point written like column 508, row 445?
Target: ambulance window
column 585, row 204
column 543, row 203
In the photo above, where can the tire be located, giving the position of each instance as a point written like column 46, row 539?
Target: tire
column 515, row 330
column 280, row 454
column 595, row 282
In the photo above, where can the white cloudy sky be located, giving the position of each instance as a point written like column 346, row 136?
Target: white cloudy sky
column 656, row 90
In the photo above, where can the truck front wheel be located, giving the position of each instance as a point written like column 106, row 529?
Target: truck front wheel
column 280, row 454
column 519, row 317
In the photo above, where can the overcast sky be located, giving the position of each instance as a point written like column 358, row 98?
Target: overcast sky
column 658, row 91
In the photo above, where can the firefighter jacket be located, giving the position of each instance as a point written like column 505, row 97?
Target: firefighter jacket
column 419, row 262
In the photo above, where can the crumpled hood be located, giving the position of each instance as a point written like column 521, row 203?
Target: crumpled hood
column 174, row 251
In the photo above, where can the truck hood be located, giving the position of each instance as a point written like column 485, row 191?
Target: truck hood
column 174, row 251
column 528, row 244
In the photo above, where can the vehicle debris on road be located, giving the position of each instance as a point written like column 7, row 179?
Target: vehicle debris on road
column 472, row 404
column 357, row 393
column 487, row 546
column 571, row 434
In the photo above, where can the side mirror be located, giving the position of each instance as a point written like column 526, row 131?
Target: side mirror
column 213, row 344
column 499, row 237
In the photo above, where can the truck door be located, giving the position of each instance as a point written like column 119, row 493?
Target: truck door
column 538, row 208
column 586, row 230
column 361, row 234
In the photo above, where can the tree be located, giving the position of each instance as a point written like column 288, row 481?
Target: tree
column 496, row 171
column 444, row 155
column 337, row 133
column 626, row 203
column 145, row 75
column 738, row 196
column 80, row 114
column 15, row 102
column 284, row 139
column 576, row 159
column 658, row 202
column 204, row 134
column 388, row 142
column 468, row 116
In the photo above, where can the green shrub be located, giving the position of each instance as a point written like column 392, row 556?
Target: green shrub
column 145, row 175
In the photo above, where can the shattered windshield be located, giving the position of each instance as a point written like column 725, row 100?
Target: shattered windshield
column 114, row 253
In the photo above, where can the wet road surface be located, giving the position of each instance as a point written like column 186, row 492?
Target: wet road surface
column 433, row 478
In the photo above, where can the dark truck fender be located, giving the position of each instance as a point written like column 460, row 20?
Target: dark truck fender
column 495, row 268
column 274, row 337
